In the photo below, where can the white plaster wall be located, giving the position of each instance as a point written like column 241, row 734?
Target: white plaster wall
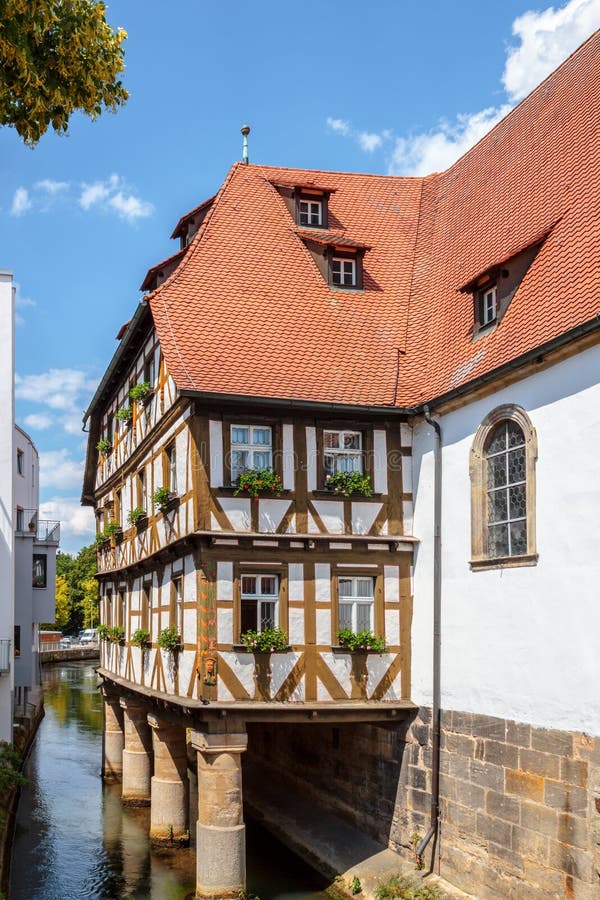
column 7, row 454
column 380, row 483
column 215, row 431
column 518, row 643
column 288, row 457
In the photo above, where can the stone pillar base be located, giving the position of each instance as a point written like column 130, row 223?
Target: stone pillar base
column 168, row 815
column 113, row 740
column 220, row 860
column 136, row 778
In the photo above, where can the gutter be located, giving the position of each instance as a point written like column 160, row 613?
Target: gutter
column 437, row 635
column 294, row 403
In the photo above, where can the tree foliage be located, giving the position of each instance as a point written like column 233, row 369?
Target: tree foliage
column 77, row 596
column 56, row 57
column 62, row 601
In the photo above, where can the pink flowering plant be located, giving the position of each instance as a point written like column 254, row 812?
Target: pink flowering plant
column 269, row 640
column 259, row 481
column 348, row 483
column 364, row 641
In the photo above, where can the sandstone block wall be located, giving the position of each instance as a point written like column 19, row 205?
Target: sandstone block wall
column 520, row 805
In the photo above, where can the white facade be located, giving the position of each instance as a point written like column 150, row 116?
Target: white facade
column 36, row 543
column 6, row 503
column 518, row 643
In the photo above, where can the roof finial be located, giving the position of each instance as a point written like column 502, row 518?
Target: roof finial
column 245, row 131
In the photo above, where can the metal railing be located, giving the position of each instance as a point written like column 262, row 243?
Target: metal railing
column 5, row 644
column 44, row 530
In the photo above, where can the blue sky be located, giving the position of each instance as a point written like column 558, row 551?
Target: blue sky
column 394, row 86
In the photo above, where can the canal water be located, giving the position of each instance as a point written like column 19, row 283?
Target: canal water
column 74, row 839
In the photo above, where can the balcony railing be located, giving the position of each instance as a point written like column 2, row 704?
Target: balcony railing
column 5, row 655
column 44, row 530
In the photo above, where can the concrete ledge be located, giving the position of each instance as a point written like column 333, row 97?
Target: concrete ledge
column 48, row 656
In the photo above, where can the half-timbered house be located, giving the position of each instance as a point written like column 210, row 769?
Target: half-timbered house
column 429, row 337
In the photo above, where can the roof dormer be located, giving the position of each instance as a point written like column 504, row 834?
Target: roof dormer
column 189, row 224
column 307, row 203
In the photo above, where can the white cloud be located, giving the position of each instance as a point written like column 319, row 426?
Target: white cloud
column 38, row 421
column 66, row 391
column 129, row 207
column 113, row 195
column 369, row 141
column 52, row 187
column 77, row 526
column 435, row 151
column 59, row 471
column 545, row 39
column 338, row 125
column 59, row 389
column 21, row 302
column 21, row 202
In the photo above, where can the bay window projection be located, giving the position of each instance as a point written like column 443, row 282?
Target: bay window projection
column 251, row 448
column 259, row 601
column 355, row 603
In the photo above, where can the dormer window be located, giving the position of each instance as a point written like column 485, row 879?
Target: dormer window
column 310, row 213
column 487, row 306
column 343, row 271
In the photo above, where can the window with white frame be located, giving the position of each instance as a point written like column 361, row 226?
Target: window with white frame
column 40, row 566
column 251, row 448
column 149, row 370
column 355, row 602
column 20, row 519
column 487, row 306
column 172, row 468
column 259, row 602
column 147, row 607
column 177, row 588
column 343, row 271
column 310, row 212
column 342, row 452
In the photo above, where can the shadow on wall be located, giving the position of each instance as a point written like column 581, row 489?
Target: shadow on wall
column 357, row 772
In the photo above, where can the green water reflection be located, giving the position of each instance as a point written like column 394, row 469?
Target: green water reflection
column 74, row 839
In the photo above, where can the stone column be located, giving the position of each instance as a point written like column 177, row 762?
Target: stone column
column 112, row 739
column 220, row 830
column 137, row 755
column 169, row 785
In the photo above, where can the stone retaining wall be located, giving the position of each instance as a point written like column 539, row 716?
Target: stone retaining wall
column 520, row 806
column 48, row 656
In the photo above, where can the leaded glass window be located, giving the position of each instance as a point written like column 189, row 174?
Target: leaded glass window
column 355, row 595
column 506, row 491
column 259, row 594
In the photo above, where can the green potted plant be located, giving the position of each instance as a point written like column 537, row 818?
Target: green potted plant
column 259, row 481
column 348, row 483
column 136, row 516
column 169, row 639
column 141, row 638
column 103, row 632
column 361, row 641
column 269, row 640
column 104, row 447
column 140, row 391
column 116, row 634
column 162, row 498
column 125, row 414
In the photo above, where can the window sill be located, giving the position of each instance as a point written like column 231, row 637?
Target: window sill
column 353, row 289
column 338, row 649
column 242, row 648
column 323, row 492
column 228, row 490
column 504, row 562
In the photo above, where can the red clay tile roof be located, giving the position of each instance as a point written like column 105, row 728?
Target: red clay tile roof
column 247, row 311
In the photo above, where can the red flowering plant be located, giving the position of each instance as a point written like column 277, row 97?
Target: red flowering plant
column 259, row 481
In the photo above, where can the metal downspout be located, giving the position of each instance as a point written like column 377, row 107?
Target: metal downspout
column 437, row 633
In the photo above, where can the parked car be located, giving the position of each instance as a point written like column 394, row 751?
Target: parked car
column 89, row 636
column 65, row 642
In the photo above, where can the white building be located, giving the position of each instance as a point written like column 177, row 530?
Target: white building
column 7, row 325
column 36, row 543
